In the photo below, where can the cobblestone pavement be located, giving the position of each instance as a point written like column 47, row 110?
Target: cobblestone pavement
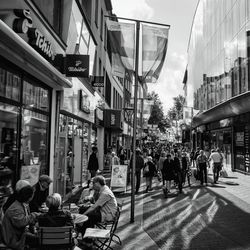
column 203, row 217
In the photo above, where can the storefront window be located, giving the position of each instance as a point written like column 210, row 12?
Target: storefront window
column 35, row 96
column 10, row 84
column 72, row 153
column 34, row 145
column 8, row 137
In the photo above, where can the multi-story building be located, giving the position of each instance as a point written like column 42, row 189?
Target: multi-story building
column 218, row 78
column 49, row 118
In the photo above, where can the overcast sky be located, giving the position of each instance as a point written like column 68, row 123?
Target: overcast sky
column 177, row 13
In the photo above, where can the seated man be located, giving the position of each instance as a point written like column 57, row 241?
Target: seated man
column 41, row 192
column 105, row 207
column 56, row 217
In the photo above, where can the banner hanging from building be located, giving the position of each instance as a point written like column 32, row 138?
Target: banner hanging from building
column 121, row 42
column 147, row 108
column 154, row 49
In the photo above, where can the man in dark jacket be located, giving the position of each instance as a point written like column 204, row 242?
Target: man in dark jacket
column 177, row 172
column 139, row 164
column 93, row 165
column 41, row 192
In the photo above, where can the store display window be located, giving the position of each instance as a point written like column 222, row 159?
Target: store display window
column 24, row 125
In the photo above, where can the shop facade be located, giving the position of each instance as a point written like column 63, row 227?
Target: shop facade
column 29, row 90
column 218, row 79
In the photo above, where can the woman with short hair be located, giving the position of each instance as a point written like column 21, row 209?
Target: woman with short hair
column 56, row 217
column 17, row 219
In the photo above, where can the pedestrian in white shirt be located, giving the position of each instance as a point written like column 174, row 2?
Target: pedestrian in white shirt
column 217, row 159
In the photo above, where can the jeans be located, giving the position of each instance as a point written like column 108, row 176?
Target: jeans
column 138, row 181
column 203, row 172
column 216, row 170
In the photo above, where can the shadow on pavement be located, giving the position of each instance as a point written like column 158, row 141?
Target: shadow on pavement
column 198, row 219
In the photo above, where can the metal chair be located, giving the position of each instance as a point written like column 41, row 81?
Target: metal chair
column 56, row 238
column 105, row 234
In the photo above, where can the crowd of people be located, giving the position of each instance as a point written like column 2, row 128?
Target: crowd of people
column 174, row 166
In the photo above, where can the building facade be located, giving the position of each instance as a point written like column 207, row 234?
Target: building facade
column 218, row 79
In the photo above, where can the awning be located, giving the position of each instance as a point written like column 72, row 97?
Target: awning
column 235, row 106
column 16, row 50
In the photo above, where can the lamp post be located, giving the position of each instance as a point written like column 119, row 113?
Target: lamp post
column 191, row 120
column 137, row 34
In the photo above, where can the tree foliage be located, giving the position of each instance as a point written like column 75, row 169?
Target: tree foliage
column 157, row 114
column 176, row 112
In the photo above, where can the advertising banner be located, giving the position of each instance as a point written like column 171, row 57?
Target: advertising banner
column 119, row 176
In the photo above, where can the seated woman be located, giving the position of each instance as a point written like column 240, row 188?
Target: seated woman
column 18, row 220
column 88, row 197
column 56, row 217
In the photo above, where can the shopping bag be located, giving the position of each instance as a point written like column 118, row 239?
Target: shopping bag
column 196, row 174
column 223, row 173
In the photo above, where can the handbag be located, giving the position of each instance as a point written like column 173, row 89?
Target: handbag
column 189, row 172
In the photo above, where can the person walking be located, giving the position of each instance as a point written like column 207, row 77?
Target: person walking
column 115, row 159
column 201, row 163
column 177, row 171
column 160, row 165
column 185, row 168
column 139, row 164
column 150, row 173
column 93, row 164
column 217, row 159
column 168, row 173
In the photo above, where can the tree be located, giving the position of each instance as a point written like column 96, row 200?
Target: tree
column 178, row 106
column 157, row 114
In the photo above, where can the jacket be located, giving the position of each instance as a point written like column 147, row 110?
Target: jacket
column 14, row 225
column 39, row 197
column 56, row 218
column 139, row 163
column 93, row 162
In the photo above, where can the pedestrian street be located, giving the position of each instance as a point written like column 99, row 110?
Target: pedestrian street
column 207, row 217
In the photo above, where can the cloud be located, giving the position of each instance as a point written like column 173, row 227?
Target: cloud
column 170, row 84
column 138, row 9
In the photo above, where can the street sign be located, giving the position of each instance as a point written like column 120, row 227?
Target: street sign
column 98, row 81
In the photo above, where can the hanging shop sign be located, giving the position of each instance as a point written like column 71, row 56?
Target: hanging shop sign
column 23, row 24
column 99, row 117
column 98, row 81
column 84, row 102
column 77, row 65
column 112, row 119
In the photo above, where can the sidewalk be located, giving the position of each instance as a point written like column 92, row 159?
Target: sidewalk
column 133, row 235
column 207, row 217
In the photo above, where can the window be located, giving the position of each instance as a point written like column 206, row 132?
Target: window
column 84, row 41
column 51, row 10
column 10, row 85
column 96, row 12
column 101, row 31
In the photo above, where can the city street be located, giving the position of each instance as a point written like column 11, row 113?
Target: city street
column 208, row 217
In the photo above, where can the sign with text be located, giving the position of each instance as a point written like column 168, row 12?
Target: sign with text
column 112, row 118
column 119, row 176
column 98, row 81
column 77, row 65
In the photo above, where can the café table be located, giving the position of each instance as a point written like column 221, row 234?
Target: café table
column 79, row 218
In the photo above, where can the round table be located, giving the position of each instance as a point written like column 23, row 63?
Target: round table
column 79, row 218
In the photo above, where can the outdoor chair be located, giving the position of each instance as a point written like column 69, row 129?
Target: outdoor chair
column 104, row 233
column 56, row 238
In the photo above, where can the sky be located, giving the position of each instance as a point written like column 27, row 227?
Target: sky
column 179, row 15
